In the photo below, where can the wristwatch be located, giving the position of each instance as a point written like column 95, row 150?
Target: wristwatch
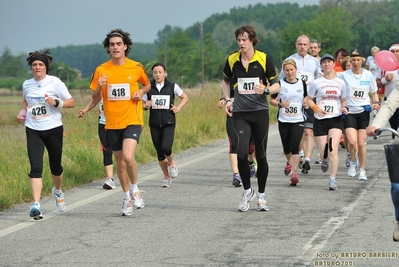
column 57, row 103
column 267, row 91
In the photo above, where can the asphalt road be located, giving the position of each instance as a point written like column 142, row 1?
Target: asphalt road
column 196, row 222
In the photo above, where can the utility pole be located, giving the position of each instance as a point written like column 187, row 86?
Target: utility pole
column 202, row 55
column 166, row 51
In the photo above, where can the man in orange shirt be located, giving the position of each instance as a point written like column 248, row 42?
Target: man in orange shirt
column 117, row 83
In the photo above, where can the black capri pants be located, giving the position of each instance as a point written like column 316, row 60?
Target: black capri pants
column 291, row 135
column 162, row 138
column 36, row 141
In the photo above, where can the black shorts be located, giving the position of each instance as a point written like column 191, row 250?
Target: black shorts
column 357, row 121
column 321, row 127
column 130, row 132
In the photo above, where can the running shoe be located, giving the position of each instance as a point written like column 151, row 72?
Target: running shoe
column 127, row 207
column 396, row 232
column 294, row 179
column 35, row 211
column 287, row 169
column 109, row 184
column 332, row 185
column 252, row 170
column 348, row 160
column 306, row 166
column 324, row 166
column 362, row 176
column 138, row 201
column 245, row 199
column 59, row 200
column 166, row 182
column 237, row 180
column 301, row 161
column 172, row 169
column 262, row 204
column 352, row 169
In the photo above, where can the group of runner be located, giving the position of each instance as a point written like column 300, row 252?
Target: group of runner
column 327, row 98
column 315, row 96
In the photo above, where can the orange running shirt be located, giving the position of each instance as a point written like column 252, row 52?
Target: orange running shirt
column 123, row 81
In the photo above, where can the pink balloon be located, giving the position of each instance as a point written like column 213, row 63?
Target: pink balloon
column 386, row 60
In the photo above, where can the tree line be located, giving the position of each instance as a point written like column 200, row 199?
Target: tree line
column 204, row 46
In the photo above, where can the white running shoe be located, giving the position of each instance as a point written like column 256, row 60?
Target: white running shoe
column 127, row 207
column 166, row 182
column 332, row 184
column 352, row 169
column 173, row 171
column 245, row 199
column 59, row 200
column 362, row 176
column 35, row 212
column 109, row 183
column 262, row 204
column 138, row 201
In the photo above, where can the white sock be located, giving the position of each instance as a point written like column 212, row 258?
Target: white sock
column 58, row 191
column 261, row 195
column 127, row 195
column 248, row 191
column 307, row 159
column 301, row 154
column 134, row 187
column 332, row 178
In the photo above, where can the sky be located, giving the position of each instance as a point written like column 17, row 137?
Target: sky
column 29, row 25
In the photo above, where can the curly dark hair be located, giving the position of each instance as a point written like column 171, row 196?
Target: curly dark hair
column 119, row 33
column 251, row 34
column 344, row 52
column 44, row 57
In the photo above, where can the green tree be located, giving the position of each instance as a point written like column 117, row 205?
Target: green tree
column 64, row 72
column 332, row 28
column 183, row 58
column 384, row 34
column 11, row 66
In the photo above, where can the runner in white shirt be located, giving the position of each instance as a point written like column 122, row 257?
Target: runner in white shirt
column 329, row 93
column 359, row 84
column 291, row 116
column 44, row 96
column 387, row 80
column 308, row 66
column 370, row 64
column 308, row 69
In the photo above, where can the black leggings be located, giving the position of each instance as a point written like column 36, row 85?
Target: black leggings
column 233, row 137
column 105, row 144
column 291, row 135
column 255, row 124
column 162, row 138
column 36, row 141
